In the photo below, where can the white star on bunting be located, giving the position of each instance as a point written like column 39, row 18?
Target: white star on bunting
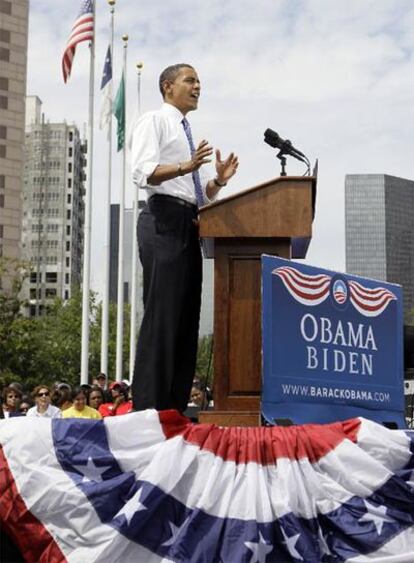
column 91, row 471
column 375, row 514
column 260, row 549
column 290, row 543
column 323, row 545
column 175, row 530
column 131, row 507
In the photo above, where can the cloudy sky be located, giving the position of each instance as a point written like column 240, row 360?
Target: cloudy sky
column 337, row 78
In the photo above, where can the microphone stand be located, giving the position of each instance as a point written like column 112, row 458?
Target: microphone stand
column 282, row 158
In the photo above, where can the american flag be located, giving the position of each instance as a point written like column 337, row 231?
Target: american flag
column 307, row 289
column 82, row 30
column 152, row 487
column 370, row 302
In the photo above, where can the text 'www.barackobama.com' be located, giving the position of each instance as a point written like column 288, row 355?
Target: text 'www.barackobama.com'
column 322, row 392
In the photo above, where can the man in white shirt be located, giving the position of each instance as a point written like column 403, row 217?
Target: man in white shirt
column 168, row 166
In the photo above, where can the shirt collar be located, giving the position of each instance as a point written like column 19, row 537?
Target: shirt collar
column 172, row 111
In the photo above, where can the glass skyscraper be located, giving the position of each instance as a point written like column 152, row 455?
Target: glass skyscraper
column 379, row 231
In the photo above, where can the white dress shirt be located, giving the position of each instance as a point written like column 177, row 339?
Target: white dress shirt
column 159, row 138
column 50, row 412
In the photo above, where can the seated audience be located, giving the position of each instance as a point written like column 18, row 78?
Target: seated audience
column 101, row 381
column 199, row 396
column 42, row 397
column 25, row 404
column 79, row 408
column 11, row 401
column 96, row 397
column 62, row 398
column 120, row 403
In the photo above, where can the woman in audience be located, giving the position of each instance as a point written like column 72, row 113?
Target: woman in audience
column 120, row 403
column 96, row 397
column 79, row 408
column 11, row 402
column 25, row 404
column 62, row 398
column 43, row 408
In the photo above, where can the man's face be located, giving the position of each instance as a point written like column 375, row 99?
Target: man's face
column 184, row 92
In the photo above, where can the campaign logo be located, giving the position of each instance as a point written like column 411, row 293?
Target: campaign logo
column 340, row 291
column 313, row 290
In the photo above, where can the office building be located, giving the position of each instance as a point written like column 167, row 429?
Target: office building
column 129, row 232
column 379, row 219
column 14, row 16
column 53, row 207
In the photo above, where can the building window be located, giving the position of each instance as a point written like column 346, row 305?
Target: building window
column 2, row 151
column 67, row 262
column 5, row 7
column 70, row 167
column 2, row 181
column 4, row 83
column 68, row 214
column 50, row 292
column 1, row 200
column 69, row 198
column 4, row 54
column 67, row 246
column 67, row 278
column 1, row 231
column 70, row 151
column 3, row 132
column 5, row 35
column 66, row 294
column 68, row 230
column 51, row 277
column 4, row 102
column 70, row 136
column 70, row 183
column 33, row 277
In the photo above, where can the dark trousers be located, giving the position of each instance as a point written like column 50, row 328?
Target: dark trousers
column 169, row 251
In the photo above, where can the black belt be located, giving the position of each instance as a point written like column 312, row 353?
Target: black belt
column 179, row 201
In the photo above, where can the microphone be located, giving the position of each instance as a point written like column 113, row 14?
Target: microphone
column 284, row 145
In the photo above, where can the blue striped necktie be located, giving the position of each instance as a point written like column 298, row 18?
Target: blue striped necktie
column 196, row 175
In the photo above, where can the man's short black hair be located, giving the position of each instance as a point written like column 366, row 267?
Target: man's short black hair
column 170, row 73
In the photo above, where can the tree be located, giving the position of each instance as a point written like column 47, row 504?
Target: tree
column 14, row 330
column 204, row 367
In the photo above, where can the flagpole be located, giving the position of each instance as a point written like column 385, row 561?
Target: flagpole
column 107, row 250
column 120, row 302
column 133, row 330
column 88, row 219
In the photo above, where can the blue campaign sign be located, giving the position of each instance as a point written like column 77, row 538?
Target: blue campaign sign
column 332, row 345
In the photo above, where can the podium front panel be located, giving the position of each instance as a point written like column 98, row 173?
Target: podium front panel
column 237, row 320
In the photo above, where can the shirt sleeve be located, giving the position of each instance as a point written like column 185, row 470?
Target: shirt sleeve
column 145, row 149
column 205, row 177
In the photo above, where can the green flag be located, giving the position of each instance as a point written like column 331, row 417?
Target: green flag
column 119, row 112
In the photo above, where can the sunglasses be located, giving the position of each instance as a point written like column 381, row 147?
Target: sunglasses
column 45, row 394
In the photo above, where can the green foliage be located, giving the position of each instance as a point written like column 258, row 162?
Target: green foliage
column 204, row 367
column 48, row 348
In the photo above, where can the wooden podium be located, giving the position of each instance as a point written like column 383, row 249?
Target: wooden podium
column 272, row 218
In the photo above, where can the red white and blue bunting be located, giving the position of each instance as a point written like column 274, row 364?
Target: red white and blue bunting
column 153, row 486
